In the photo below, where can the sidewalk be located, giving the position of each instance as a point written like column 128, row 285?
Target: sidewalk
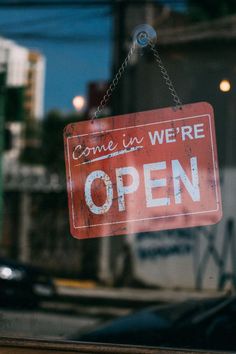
column 89, row 291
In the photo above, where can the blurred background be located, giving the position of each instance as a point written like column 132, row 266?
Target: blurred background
column 57, row 59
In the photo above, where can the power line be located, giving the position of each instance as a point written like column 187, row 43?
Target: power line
column 35, row 22
column 28, row 34
column 69, row 3
column 52, row 19
column 80, row 3
column 83, row 39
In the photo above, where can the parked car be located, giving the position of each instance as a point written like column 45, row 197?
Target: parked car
column 24, row 285
column 197, row 324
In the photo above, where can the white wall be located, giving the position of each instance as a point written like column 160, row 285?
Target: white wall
column 17, row 66
column 39, row 88
column 16, row 59
column 182, row 259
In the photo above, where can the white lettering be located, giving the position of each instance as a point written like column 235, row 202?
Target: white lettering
column 121, row 189
column 170, row 135
column 88, row 195
column 79, row 151
column 149, row 184
column 179, row 174
column 186, row 131
column 156, row 136
column 131, row 141
column 198, row 129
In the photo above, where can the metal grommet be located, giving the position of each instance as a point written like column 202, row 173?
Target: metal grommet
column 144, row 34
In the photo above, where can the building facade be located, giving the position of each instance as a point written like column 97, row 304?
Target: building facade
column 21, row 98
column 198, row 58
column 34, row 91
column 25, row 76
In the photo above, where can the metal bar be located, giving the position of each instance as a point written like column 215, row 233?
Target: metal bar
column 28, row 346
column 3, row 73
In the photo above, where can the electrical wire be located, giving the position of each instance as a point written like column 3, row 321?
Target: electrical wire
column 83, row 39
column 35, row 22
column 52, row 20
column 57, row 38
column 8, row 29
column 81, row 3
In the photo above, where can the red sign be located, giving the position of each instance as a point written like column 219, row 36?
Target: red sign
column 145, row 171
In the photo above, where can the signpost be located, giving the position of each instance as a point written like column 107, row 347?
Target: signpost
column 145, row 171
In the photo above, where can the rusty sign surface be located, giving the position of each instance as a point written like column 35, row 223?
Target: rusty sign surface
column 145, row 171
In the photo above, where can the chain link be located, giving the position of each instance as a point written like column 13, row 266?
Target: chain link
column 114, row 83
column 112, row 87
column 177, row 101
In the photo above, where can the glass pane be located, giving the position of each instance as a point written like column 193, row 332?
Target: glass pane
column 162, row 283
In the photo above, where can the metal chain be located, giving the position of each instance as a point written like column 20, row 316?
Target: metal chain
column 114, row 82
column 177, row 101
column 112, row 87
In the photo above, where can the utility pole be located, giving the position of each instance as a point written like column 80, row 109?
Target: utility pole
column 110, row 248
column 2, row 121
column 119, row 52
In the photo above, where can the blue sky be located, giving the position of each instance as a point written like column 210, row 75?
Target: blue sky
column 69, row 65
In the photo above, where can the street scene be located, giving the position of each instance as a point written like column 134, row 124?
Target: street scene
column 80, row 308
column 117, row 172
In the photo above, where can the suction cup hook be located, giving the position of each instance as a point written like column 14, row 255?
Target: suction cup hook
column 143, row 34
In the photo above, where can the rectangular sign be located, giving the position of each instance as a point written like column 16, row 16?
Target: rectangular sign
column 144, row 171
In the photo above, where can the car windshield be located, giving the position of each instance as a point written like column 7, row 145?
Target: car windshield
column 117, row 172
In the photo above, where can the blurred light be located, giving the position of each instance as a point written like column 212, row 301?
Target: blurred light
column 225, row 86
column 5, row 272
column 78, row 103
column 8, row 273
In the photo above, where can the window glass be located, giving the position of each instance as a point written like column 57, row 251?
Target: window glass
column 163, row 286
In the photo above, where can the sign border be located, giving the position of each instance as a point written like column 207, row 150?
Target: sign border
column 156, row 217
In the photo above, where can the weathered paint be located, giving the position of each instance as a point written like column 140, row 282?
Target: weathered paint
column 145, row 171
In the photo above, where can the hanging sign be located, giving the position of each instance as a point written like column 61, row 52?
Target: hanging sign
column 145, row 171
